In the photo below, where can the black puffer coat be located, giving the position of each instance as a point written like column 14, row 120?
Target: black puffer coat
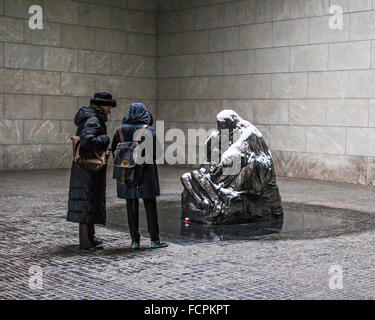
column 87, row 190
column 149, row 187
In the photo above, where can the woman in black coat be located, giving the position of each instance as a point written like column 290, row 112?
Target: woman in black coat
column 148, row 188
column 87, row 192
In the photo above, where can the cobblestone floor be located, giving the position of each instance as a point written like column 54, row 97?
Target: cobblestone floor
column 35, row 233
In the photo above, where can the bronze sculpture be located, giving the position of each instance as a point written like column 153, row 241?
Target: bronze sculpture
column 248, row 193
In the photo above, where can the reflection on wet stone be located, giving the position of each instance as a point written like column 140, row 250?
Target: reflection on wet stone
column 175, row 229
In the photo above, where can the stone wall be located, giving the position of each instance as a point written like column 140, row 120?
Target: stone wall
column 46, row 75
column 308, row 88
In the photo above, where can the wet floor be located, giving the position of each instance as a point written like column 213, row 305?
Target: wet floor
column 172, row 225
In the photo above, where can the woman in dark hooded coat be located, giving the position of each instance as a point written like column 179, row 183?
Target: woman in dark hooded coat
column 148, row 188
column 87, row 192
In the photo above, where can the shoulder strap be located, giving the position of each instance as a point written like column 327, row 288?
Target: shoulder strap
column 121, row 134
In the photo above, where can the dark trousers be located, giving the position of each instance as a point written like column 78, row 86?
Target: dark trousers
column 132, row 206
column 86, row 235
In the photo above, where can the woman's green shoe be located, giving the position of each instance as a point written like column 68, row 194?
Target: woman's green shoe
column 158, row 244
column 135, row 245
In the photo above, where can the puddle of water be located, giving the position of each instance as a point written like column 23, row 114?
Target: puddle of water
column 172, row 226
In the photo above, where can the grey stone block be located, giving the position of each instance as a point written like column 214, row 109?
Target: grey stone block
column 1, row 54
column 272, row 60
column 208, row 64
column 141, row 44
column 282, row 9
column 348, row 112
column 176, row 21
column 223, row 87
column 22, row 157
column 77, row 37
column 22, row 106
column 2, row 157
column 94, row 62
column 68, row 129
column 143, row 5
column 331, row 84
column 20, row 8
column 138, row 88
column 256, row 36
column 359, row 142
column 56, row 108
column 56, row 156
column 352, row 6
column 209, row 17
column 23, row 56
column 350, row 55
column 194, row 88
column 224, row 39
column 239, row 62
column 303, row 8
column 42, row 82
column 94, row 15
column 60, row 59
column 1, row 7
column 112, row 3
column 1, row 106
column 116, row 85
column 289, row 85
column 254, row 86
column 195, row 41
column 264, row 10
column 362, row 25
column 134, row 21
column 320, row 32
column 361, row 84
column 64, row 11
column 11, row 81
column 330, row 140
column 237, row 13
column 74, row 84
column 140, row 66
column 270, row 112
column 288, row 138
column 175, row 43
column 122, row 109
column 309, row 58
column 11, row 131
column 307, row 112
column 11, row 29
column 111, row 40
column 41, row 131
column 169, row 5
column 291, row 32
column 163, row 46
column 168, row 89
column 49, row 35
column 176, row 66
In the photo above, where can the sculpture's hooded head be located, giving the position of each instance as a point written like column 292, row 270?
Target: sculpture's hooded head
column 227, row 119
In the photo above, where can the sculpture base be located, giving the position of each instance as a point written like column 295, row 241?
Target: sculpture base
column 243, row 209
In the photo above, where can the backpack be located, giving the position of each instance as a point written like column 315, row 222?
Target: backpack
column 125, row 169
column 91, row 160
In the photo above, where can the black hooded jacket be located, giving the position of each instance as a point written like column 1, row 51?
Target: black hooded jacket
column 149, row 187
column 87, row 203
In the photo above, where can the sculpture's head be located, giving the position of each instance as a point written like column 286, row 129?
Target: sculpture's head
column 227, row 119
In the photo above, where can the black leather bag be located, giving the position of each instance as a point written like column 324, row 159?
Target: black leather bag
column 125, row 168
